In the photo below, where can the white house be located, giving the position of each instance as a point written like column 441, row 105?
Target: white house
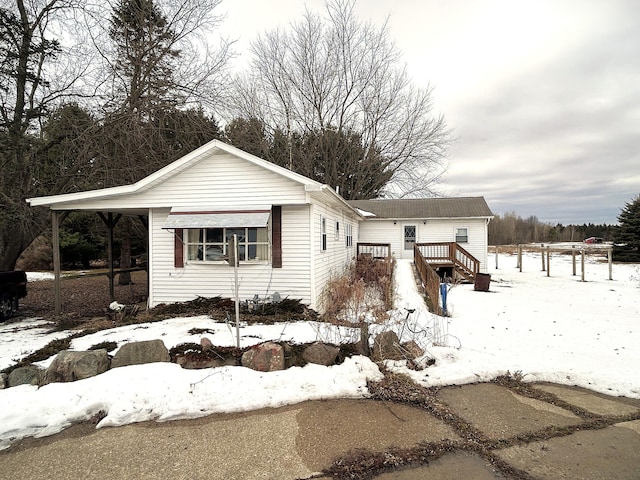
column 293, row 232
column 405, row 222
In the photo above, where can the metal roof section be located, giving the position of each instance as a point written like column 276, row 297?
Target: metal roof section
column 198, row 218
column 414, row 208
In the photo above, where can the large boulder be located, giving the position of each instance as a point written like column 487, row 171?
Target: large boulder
column 27, row 375
column 321, row 354
column 138, row 353
column 265, row 357
column 69, row 366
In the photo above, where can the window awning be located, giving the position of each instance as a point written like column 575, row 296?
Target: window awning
column 193, row 218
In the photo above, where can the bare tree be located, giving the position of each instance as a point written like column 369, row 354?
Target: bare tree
column 185, row 31
column 40, row 66
column 338, row 73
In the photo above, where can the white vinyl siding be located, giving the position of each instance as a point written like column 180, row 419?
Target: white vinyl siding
column 169, row 284
column 336, row 258
column 221, row 180
column 384, row 231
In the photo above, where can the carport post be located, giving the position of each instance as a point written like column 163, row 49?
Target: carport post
column 55, row 234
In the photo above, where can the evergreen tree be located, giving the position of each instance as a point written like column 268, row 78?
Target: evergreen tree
column 627, row 237
column 145, row 57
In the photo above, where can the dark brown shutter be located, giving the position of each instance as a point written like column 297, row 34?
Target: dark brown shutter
column 276, row 236
column 178, row 249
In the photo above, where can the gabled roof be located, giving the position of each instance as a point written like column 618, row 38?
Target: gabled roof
column 179, row 165
column 423, row 208
column 175, row 167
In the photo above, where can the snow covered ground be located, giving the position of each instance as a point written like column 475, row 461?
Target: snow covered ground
column 555, row 329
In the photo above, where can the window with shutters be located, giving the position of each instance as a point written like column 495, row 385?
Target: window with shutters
column 212, row 244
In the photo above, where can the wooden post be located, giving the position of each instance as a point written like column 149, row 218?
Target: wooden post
column 542, row 256
column 610, row 260
column 112, row 293
column 520, row 257
column 110, row 222
column 55, row 230
column 548, row 261
column 582, row 263
column 573, row 259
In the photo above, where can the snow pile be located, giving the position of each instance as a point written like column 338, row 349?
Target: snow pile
column 555, row 329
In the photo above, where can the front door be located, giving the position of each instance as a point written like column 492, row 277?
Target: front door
column 410, row 233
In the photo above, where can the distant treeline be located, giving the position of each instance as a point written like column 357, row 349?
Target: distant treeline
column 512, row 229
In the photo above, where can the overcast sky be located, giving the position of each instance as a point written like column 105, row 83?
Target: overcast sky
column 543, row 96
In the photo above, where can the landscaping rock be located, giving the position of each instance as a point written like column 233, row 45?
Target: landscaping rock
column 321, row 354
column 206, row 344
column 138, row 353
column 69, row 366
column 386, row 346
column 28, row 375
column 195, row 362
column 266, row 357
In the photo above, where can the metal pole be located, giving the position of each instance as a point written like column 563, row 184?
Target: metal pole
column 235, row 274
column 573, row 259
column 582, row 263
column 496, row 257
column 542, row 256
column 610, row 259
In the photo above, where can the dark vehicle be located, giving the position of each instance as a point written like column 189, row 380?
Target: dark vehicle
column 13, row 286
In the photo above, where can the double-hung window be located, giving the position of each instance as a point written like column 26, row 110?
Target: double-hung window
column 323, row 234
column 348, row 235
column 462, row 235
column 212, row 244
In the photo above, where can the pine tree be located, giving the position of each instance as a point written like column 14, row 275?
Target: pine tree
column 627, row 237
column 145, row 56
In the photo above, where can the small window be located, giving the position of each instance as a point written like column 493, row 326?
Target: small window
column 348, row 235
column 337, row 231
column 323, row 233
column 462, row 235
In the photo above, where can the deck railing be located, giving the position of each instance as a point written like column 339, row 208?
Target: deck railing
column 376, row 251
column 444, row 253
column 429, row 277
